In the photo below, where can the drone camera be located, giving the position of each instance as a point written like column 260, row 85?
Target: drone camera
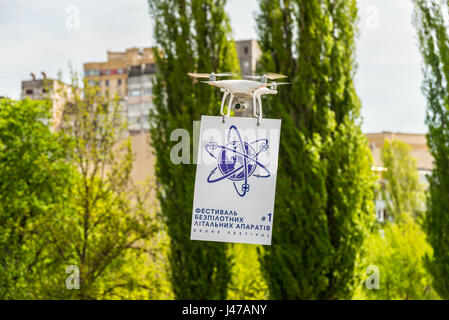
column 240, row 106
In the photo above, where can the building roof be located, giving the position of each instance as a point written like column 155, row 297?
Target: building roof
column 122, row 59
column 416, row 141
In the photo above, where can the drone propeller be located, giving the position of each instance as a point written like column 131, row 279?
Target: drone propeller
column 269, row 75
column 208, row 75
column 208, row 82
column 274, row 76
column 251, row 77
column 198, row 75
column 273, row 85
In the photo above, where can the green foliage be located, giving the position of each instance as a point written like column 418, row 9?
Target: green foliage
column 403, row 192
column 324, row 183
column 66, row 199
column 33, row 188
column 399, row 248
column 110, row 221
column 434, row 45
column 247, row 280
column 192, row 36
column 399, row 253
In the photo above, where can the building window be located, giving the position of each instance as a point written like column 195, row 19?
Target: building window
column 380, row 210
column 91, row 82
column 246, row 50
column 133, row 80
column 380, row 214
column 134, row 108
column 147, row 78
column 120, row 71
column 92, row 72
column 29, row 91
column 147, row 91
column 134, row 93
column 134, row 123
column 119, row 82
column 145, row 124
column 106, row 83
column 147, row 106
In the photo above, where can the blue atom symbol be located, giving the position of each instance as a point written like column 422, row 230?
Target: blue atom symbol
column 237, row 160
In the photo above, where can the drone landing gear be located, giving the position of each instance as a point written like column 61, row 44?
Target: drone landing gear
column 242, row 106
column 225, row 94
column 257, row 101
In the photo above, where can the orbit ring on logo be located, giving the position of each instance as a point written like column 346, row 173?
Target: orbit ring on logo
column 237, row 161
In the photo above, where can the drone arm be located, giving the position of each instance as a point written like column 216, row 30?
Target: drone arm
column 259, row 99
column 254, row 103
column 225, row 94
column 230, row 104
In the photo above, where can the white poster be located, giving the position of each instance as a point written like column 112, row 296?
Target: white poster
column 235, row 181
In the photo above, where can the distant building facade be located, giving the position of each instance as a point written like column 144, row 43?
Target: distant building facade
column 419, row 150
column 249, row 53
column 127, row 74
column 140, row 96
column 417, row 142
column 57, row 91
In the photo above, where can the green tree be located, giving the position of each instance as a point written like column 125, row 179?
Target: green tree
column 398, row 252
column 192, row 36
column 398, row 248
column 429, row 19
column 111, row 221
column 33, row 189
column 403, row 192
column 247, row 283
column 324, row 184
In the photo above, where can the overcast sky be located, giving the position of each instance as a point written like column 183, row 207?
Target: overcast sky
column 43, row 35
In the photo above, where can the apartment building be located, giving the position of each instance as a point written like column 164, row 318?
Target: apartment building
column 57, row 91
column 126, row 74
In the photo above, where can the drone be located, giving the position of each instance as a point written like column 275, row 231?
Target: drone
column 241, row 91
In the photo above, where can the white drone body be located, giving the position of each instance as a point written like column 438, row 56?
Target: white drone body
column 243, row 90
column 238, row 88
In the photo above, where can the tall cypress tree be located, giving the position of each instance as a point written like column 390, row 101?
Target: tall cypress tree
column 191, row 35
column 434, row 46
column 324, row 184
